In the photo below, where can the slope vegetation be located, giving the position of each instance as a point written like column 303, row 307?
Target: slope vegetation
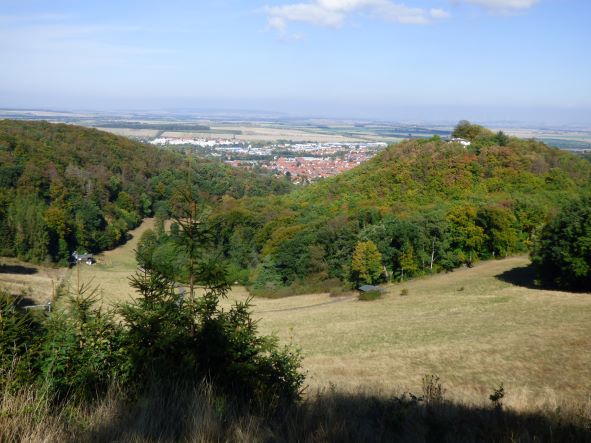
column 427, row 205
column 65, row 187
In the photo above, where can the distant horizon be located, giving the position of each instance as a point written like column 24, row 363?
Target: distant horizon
column 436, row 115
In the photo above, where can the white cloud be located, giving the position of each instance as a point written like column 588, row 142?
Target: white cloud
column 439, row 14
column 333, row 13
column 504, row 5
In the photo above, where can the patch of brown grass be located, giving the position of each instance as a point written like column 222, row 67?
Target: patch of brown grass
column 182, row 413
column 35, row 282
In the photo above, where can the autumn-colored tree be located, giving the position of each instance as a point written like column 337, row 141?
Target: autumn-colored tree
column 408, row 265
column 467, row 236
column 366, row 264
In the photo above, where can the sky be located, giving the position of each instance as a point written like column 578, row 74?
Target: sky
column 405, row 60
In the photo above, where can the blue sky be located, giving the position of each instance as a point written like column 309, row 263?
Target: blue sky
column 388, row 59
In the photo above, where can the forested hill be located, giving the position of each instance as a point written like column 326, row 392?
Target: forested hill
column 66, row 187
column 427, row 205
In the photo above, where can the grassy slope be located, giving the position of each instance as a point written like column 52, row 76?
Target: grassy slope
column 535, row 342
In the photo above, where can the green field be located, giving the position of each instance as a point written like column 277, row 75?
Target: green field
column 475, row 328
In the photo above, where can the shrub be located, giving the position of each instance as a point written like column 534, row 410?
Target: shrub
column 432, row 390
column 332, row 285
column 370, row 295
column 338, row 290
column 562, row 254
column 497, row 397
column 196, row 339
column 21, row 335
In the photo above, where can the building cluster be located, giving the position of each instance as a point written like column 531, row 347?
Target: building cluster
column 465, row 143
column 329, row 148
column 202, row 142
column 305, row 169
column 301, row 162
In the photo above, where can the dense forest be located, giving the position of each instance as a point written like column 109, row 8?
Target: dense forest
column 420, row 206
column 65, row 187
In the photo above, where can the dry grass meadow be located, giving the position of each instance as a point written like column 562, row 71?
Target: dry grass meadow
column 113, row 268
column 37, row 283
column 475, row 328
column 470, row 327
column 110, row 274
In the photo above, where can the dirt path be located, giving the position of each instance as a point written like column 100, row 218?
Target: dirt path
column 299, row 308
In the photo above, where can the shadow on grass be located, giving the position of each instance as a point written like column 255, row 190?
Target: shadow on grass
column 17, row 269
column 524, row 276
column 175, row 414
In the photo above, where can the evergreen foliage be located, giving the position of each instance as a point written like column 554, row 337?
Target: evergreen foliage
column 78, row 352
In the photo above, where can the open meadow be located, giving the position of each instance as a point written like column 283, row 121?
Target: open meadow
column 110, row 275
column 475, row 328
column 35, row 283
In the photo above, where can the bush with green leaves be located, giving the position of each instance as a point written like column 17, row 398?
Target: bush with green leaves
column 84, row 349
column 563, row 251
column 21, row 337
column 370, row 295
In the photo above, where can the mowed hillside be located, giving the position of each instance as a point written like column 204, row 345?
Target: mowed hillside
column 475, row 328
